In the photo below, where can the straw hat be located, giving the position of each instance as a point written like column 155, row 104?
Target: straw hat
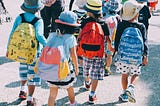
column 94, row 6
column 129, row 10
column 68, row 18
column 32, row 6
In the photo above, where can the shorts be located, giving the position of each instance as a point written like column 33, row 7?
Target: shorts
column 128, row 69
column 93, row 68
column 26, row 72
column 66, row 83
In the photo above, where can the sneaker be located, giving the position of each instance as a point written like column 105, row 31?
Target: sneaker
column 92, row 99
column 74, row 104
column 22, row 95
column 32, row 103
column 131, row 96
column 87, row 85
column 124, row 97
column 107, row 72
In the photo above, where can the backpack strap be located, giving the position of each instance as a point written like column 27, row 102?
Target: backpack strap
column 32, row 22
column 22, row 16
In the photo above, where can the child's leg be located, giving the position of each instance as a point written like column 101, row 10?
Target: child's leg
column 52, row 95
column 134, row 79
column 94, row 84
column 124, row 81
column 71, row 95
column 109, row 60
column 31, row 89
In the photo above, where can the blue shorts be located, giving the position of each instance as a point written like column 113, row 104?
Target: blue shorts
column 93, row 68
column 26, row 72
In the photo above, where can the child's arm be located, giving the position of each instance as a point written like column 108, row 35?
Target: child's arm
column 74, row 59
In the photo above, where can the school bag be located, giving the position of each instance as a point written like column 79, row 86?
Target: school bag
column 53, row 63
column 91, row 41
column 131, row 47
column 112, row 23
column 23, row 44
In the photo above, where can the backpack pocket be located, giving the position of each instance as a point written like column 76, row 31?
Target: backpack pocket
column 64, row 70
column 90, row 47
column 48, row 72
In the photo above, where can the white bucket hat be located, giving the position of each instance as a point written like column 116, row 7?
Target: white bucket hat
column 130, row 9
column 81, row 3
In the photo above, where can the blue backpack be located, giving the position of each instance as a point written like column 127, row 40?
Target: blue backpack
column 131, row 47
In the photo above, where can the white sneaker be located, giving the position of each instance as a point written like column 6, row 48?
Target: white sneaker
column 131, row 96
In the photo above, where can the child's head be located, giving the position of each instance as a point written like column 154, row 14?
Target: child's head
column 67, row 22
column 32, row 6
column 81, row 3
column 111, row 7
column 130, row 10
column 94, row 8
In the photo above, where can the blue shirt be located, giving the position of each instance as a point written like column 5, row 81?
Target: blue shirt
column 39, row 29
column 70, row 41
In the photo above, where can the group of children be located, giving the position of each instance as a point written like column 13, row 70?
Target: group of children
column 4, row 15
column 113, row 20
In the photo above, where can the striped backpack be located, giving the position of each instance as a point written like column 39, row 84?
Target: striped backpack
column 53, row 64
column 131, row 47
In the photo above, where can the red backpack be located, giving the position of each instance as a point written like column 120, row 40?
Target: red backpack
column 91, row 41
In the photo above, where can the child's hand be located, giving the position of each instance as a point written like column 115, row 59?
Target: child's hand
column 145, row 60
column 77, row 72
column 7, row 54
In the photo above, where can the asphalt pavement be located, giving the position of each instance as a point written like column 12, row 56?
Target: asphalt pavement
column 147, row 88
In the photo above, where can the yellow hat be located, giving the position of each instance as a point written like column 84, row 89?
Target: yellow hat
column 94, row 6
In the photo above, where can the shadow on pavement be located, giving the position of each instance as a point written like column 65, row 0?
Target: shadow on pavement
column 13, row 85
column 151, row 75
column 3, row 104
column 3, row 60
column 16, row 102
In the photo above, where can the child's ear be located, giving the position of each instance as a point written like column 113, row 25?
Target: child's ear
column 58, row 32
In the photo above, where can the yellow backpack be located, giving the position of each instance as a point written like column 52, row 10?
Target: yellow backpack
column 23, row 44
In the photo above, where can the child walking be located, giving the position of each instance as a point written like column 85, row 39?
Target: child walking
column 30, row 8
column 93, row 68
column 66, row 27
column 130, row 62
column 144, row 14
column 111, row 17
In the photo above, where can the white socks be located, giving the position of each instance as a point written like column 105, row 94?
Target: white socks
column 23, row 88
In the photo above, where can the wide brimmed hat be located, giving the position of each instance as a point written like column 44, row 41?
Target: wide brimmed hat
column 112, row 6
column 129, row 10
column 68, row 18
column 94, row 6
column 80, row 3
column 32, row 6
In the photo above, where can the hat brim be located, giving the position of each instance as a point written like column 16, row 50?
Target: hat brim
column 92, row 11
column 127, row 18
column 65, row 23
column 31, row 10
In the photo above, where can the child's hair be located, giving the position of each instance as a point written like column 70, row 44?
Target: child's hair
column 97, row 16
column 66, row 29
